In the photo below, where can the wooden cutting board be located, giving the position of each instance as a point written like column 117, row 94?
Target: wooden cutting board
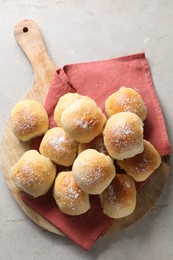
column 29, row 38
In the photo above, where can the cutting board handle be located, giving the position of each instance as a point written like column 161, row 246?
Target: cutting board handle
column 29, row 38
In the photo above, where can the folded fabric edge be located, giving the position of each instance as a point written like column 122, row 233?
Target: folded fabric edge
column 120, row 58
column 159, row 109
column 86, row 245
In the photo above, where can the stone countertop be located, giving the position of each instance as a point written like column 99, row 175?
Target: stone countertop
column 76, row 31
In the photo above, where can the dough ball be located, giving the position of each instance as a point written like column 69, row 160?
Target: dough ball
column 34, row 173
column 126, row 100
column 59, row 147
column 93, row 171
column 83, row 120
column 142, row 165
column 29, row 119
column 123, row 135
column 64, row 102
column 97, row 143
column 69, row 197
column 119, row 198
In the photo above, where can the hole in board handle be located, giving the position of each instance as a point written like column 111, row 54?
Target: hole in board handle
column 25, row 29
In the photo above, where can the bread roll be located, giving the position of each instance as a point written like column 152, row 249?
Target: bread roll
column 93, row 171
column 29, row 119
column 119, row 198
column 69, row 197
column 97, row 143
column 64, row 102
column 34, row 173
column 83, row 120
column 59, row 147
column 126, row 100
column 142, row 165
column 123, row 135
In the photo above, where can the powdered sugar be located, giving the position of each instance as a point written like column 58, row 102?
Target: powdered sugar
column 126, row 130
column 86, row 123
column 127, row 184
column 112, row 197
column 83, row 124
column 26, row 169
column 61, row 146
column 117, row 193
column 142, row 165
column 123, row 136
column 58, row 142
column 90, row 176
column 71, row 195
column 24, row 122
column 26, row 178
column 130, row 104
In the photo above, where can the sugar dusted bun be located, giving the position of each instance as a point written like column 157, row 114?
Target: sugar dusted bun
column 83, row 120
column 123, row 135
column 34, row 173
column 29, row 119
column 64, row 102
column 93, row 171
column 141, row 166
column 97, row 143
column 119, row 198
column 126, row 100
column 59, row 147
column 69, row 197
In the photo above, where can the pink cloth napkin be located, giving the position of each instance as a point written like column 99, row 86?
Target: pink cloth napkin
column 98, row 80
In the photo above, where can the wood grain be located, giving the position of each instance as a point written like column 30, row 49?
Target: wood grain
column 29, row 38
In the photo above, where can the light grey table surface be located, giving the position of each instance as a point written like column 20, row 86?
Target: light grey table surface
column 76, row 31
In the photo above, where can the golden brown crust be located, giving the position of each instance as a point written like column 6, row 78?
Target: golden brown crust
column 123, row 135
column 141, row 166
column 29, row 119
column 59, row 147
column 119, row 198
column 83, row 120
column 69, row 197
column 126, row 100
column 93, row 171
column 34, row 173
column 64, row 101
